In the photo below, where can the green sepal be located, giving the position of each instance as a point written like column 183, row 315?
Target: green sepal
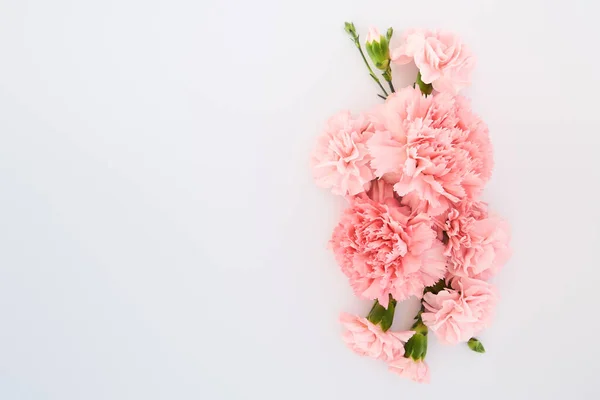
column 475, row 345
column 376, row 313
column 379, row 52
column 388, row 317
column 382, row 316
column 416, row 347
column 426, row 88
column 438, row 287
column 371, row 49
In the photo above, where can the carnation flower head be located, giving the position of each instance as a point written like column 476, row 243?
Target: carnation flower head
column 460, row 312
column 340, row 160
column 367, row 339
column 478, row 243
column 442, row 58
column 433, row 148
column 385, row 250
column 417, row 371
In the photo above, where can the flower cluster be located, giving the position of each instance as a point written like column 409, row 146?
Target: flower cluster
column 412, row 170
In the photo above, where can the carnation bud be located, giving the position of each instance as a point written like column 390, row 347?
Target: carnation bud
column 475, row 345
column 389, row 33
column 350, row 29
column 378, row 49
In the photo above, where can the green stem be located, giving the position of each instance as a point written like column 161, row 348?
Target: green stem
column 351, row 31
column 419, row 326
column 358, row 46
column 387, row 75
column 416, row 347
column 391, row 86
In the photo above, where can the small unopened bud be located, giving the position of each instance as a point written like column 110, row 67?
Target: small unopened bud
column 475, row 345
column 378, row 49
column 350, row 29
column 389, row 33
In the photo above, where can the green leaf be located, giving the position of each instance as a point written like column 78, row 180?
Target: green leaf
column 475, row 345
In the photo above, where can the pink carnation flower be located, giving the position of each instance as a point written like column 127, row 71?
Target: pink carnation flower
column 478, row 244
column 383, row 249
column 443, row 60
column 341, row 160
column 367, row 339
column 382, row 192
column 461, row 312
column 432, row 147
column 418, row 371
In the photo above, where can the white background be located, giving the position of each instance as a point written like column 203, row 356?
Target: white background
column 161, row 236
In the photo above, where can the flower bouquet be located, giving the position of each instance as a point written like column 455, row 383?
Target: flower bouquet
column 412, row 170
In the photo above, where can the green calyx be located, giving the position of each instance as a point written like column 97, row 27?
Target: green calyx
column 379, row 52
column 416, row 347
column 426, row 88
column 384, row 317
column 475, row 345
